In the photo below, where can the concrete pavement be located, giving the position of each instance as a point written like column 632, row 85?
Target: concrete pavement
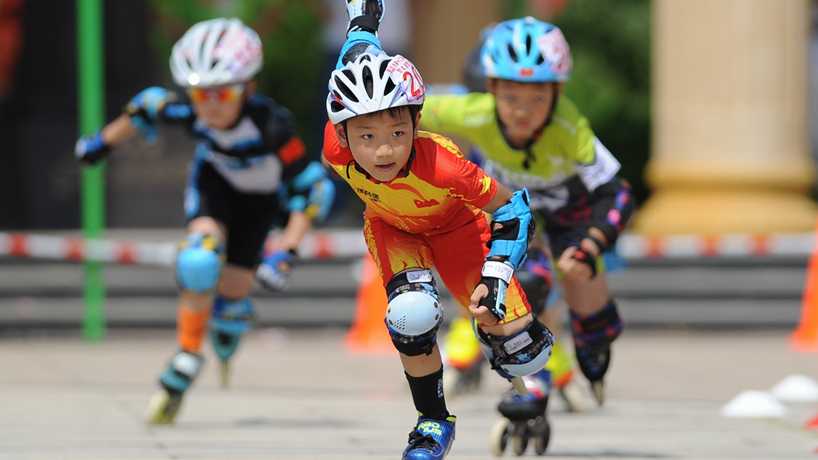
column 300, row 395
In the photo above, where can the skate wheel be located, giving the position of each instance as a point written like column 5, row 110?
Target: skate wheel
column 162, row 408
column 224, row 375
column 499, row 437
column 599, row 392
column 519, row 443
column 574, row 398
column 541, row 441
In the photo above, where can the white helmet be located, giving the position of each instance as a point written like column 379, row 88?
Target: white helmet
column 216, row 52
column 372, row 83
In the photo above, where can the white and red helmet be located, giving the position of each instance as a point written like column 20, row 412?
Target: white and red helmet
column 216, row 52
column 371, row 83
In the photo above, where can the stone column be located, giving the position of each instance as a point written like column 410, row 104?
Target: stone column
column 730, row 127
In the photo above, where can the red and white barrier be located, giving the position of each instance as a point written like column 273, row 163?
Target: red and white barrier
column 686, row 246
column 79, row 250
column 350, row 243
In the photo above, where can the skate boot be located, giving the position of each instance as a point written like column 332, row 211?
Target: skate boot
column 524, row 416
column 464, row 361
column 592, row 342
column 174, row 381
column 231, row 319
column 364, row 15
column 431, row 439
column 561, row 367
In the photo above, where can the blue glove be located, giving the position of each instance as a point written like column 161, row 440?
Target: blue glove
column 318, row 203
column 511, row 227
column 145, row 107
column 274, row 271
column 91, row 149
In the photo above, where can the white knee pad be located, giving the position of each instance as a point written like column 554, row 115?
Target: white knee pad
column 414, row 314
column 520, row 354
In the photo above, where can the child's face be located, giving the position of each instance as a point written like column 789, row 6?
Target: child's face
column 380, row 142
column 219, row 106
column 522, row 107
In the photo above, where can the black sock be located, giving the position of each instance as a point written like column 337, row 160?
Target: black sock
column 427, row 393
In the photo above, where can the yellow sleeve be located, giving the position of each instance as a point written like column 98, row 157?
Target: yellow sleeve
column 577, row 135
column 460, row 115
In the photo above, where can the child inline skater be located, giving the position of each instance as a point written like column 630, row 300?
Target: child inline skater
column 533, row 136
column 249, row 173
column 423, row 211
column 463, row 364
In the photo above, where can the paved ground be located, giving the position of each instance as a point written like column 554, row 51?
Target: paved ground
column 300, row 395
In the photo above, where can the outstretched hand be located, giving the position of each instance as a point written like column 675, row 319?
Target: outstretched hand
column 480, row 312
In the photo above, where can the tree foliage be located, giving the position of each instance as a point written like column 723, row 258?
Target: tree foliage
column 610, row 44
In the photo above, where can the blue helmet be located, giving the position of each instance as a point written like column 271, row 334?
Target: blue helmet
column 528, row 51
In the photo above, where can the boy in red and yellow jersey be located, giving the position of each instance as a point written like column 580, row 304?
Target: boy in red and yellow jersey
column 424, row 210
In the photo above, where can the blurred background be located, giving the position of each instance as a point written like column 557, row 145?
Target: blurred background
column 38, row 81
column 706, row 104
column 711, row 106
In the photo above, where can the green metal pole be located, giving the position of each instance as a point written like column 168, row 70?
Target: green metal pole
column 91, row 115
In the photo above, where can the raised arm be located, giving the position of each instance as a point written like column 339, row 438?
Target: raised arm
column 140, row 117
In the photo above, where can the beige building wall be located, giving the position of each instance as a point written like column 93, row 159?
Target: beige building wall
column 444, row 33
column 730, row 123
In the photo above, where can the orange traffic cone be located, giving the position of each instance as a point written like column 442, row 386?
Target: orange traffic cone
column 368, row 332
column 812, row 424
column 805, row 337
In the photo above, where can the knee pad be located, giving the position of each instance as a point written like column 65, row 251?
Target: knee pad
column 232, row 317
column 198, row 263
column 599, row 329
column 523, row 353
column 413, row 315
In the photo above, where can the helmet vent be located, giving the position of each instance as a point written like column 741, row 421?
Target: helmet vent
column 540, row 59
column 512, row 54
column 343, row 87
column 527, row 43
column 336, row 106
column 389, row 86
column 366, row 74
column 382, row 68
column 214, row 64
column 202, row 46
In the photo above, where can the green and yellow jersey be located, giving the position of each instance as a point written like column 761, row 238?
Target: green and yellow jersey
column 565, row 163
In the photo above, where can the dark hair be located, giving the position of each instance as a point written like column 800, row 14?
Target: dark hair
column 394, row 112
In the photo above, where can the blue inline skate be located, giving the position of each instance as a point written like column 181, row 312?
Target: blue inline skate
column 231, row 320
column 431, row 439
column 174, row 381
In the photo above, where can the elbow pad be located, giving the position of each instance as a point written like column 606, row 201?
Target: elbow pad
column 612, row 207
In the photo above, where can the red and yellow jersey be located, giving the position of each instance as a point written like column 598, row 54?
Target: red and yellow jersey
column 438, row 190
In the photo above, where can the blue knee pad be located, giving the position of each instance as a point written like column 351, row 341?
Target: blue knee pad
column 198, row 263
